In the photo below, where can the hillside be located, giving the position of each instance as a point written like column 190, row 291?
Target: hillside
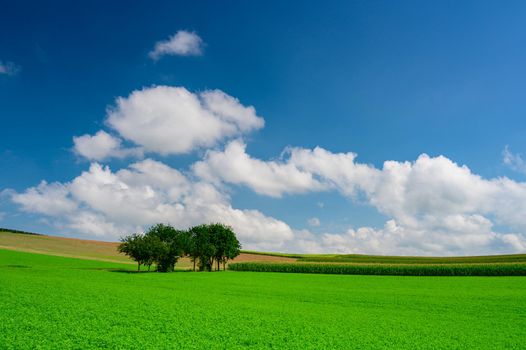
column 94, row 250
column 107, row 251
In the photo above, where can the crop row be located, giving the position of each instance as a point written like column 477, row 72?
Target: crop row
column 386, row 269
column 372, row 259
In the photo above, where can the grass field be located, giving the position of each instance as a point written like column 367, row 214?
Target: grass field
column 54, row 302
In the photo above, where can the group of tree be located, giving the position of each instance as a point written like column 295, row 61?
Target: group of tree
column 206, row 245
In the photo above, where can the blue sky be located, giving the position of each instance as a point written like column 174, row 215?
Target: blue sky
column 387, row 81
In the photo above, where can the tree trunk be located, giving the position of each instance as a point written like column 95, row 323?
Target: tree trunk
column 194, row 265
column 218, row 268
column 224, row 265
column 138, row 266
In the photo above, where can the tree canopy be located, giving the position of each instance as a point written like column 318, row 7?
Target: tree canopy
column 163, row 246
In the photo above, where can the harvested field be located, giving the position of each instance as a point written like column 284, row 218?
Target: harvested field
column 96, row 250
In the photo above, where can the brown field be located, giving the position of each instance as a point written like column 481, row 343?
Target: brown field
column 247, row 257
column 95, row 250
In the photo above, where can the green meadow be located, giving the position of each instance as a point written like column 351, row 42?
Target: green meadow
column 50, row 302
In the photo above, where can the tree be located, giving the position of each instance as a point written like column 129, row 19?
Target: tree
column 166, row 246
column 204, row 249
column 212, row 242
column 233, row 248
column 225, row 242
column 188, row 241
column 154, row 248
column 134, row 247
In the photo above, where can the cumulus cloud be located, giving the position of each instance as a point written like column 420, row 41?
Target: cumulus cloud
column 428, row 187
column 89, row 223
column 102, row 146
column 8, row 68
column 406, row 191
column 458, row 235
column 272, row 178
column 336, row 170
column 435, row 205
column 303, row 171
column 173, row 120
column 182, row 43
column 109, row 204
column 50, row 199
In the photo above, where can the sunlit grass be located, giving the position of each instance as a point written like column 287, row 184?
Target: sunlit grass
column 53, row 302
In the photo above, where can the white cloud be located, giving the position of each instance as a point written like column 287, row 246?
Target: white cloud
column 314, row 222
column 93, row 224
column 102, row 146
column 182, row 43
column 435, row 205
column 172, row 120
column 513, row 160
column 50, row 199
column 229, row 110
column 460, row 235
column 8, row 68
column 109, row 204
column 272, row 178
column 337, row 170
column 410, row 192
column 304, row 170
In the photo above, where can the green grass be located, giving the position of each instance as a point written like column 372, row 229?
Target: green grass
column 386, row 269
column 53, row 302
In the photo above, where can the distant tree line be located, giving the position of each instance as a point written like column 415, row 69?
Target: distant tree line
column 2, row 229
column 206, row 245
